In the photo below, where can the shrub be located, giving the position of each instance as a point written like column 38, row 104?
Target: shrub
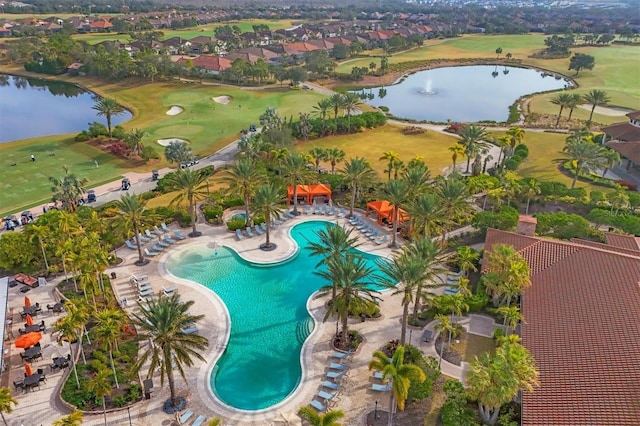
column 165, row 213
column 183, row 218
column 551, row 188
column 97, row 129
column 634, row 199
column 564, row 226
column 454, row 411
column 383, row 108
column 149, row 153
column 596, row 197
column 498, row 334
column 477, row 302
column 521, row 151
column 149, row 195
column 118, row 132
column 627, row 184
column 504, row 219
column 454, row 128
column 232, row 202
column 236, row 223
column 119, row 401
column 82, row 136
column 212, row 213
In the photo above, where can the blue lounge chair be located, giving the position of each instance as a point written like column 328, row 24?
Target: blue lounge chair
column 451, row 290
column 307, row 209
column 338, row 366
column 318, row 405
column 143, row 239
column 157, row 230
column 239, row 234
column 156, row 247
column 335, row 374
column 139, row 277
column 381, row 240
column 276, row 222
column 323, row 210
column 178, row 235
column 326, row 395
column 378, row 375
column 263, row 226
column 381, row 388
column 162, row 243
column 258, row 230
column 149, row 234
column 330, row 385
column 332, row 211
column 374, row 235
column 186, row 416
column 341, row 212
column 190, row 330
column 353, row 219
column 167, row 240
column 130, row 245
column 165, row 227
column 249, row 232
column 150, row 253
column 340, row 355
column 147, row 292
column 168, row 290
column 290, row 215
column 316, row 210
column 199, row 421
column 282, row 217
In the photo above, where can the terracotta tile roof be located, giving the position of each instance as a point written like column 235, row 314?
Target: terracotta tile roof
column 582, row 326
column 633, row 115
column 624, row 132
column 630, row 150
column 607, row 247
column 623, row 241
column 212, row 63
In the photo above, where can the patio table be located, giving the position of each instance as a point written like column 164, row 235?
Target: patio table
column 31, row 310
column 32, row 328
column 32, row 380
column 61, row 362
column 32, row 351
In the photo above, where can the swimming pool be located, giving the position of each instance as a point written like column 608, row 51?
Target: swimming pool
column 269, row 319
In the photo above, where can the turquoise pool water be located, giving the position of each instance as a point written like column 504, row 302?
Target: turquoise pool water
column 269, row 319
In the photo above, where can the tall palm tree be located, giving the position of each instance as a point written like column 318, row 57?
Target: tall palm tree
column 507, row 273
column 333, row 242
column 400, row 375
column 405, row 269
column 243, row 177
column 268, row 199
column 466, row 259
column 37, row 232
column 330, row 418
column 357, row 173
column 390, row 157
column 68, row 189
column 133, row 140
column 192, row 188
column 610, row 159
column 68, row 332
column 6, row 402
column 596, row 98
column 130, row 218
column 73, row 419
column 351, row 276
column 162, row 322
column 574, row 102
column 108, row 108
column 512, row 316
column 350, row 102
column 530, row 188
column 396, row 192
column 444, row 325
column 516, row 136
column 472, row 139
column 425, row 214
column 418, row 176
column 453, row 195
column 109, row 324
column 336, row 101
column 457, row 151
column 318, row 154
column 323, row 106
column 100, row 386
column 431, row 257
column 334, row 156
column 563, row 100
column 583, row 155
column 295, row 169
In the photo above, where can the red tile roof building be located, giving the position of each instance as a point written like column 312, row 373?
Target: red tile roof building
column 582, row 326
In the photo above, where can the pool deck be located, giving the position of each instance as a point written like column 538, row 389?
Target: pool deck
column 355, row 397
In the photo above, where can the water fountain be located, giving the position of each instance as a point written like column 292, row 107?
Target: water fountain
column 428, row 89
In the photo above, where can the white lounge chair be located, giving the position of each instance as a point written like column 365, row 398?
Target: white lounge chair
column 147, row 292
column 178, row 235
column 150, row 253
column 156, row 247
column 143, row 239
column 168, row 239
column 157, row 230
column 130, row 245
column 307, row 209
column 165, row 227
column 149, row 234
column 162, row 243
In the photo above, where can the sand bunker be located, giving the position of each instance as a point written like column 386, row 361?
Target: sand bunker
column 165, row 142
column 609, row 111
column 175, row 110
column 222, row 99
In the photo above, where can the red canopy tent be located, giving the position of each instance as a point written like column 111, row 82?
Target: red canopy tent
column 384, row 210
column 309, row 192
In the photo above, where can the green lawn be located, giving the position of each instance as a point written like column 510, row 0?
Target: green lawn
column 472, row 345
column 432, row 146
column 208, row 130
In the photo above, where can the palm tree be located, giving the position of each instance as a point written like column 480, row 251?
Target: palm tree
column 455, row 304
column 357, row 173
column 133, row 140
column 466, row 259
column 108, row 108
column 6, row 402
column 296, row 169
column 396, row 192
column 192, row 187
column 444, row 325
column 336, row 101
column 323, row 106
column 100, row 385
column 425, row 214
column 68, row 332
column 334, row 156
column 278, row 155
column 516, row 136
column 351, row 276
column 583, row 155
column 575, row 100
column 430, row 254
column 350, row 102
column 38, row 232
column 530, row 188
column 512, row 316
column 318, row 154
column 507, row 273
column 390, row 157
column 73, row 419
column 404, row 268
column 610, row 158
column 453, row 195
column 400, row 375
column 242, row 178
column 68, row 189
column 417, row 175
column 457, row 151
column 472, row 139
column 107, row 332
column 563, row 100
column 596, row 98
column 131, row 209
column 330, row 418
column 333, row 241
column 267, row 202
column 162, row 321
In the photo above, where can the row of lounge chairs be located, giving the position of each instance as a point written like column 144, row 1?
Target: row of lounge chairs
column 164, row 240
column 362, row 225
column 186, row 417
column 325, row 210
column 380, row 387
column 452, row 283
column 331, row 387
column 260, row 229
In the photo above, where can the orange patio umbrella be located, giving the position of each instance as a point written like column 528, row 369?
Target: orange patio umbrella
column 29, row 320
column 28, row 340
column 27, row 301
column 27, row 369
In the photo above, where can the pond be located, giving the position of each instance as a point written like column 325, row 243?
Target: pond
column 462, row 94
column 56, row 107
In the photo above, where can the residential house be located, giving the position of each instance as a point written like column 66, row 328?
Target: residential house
column 100, row 25
column 582, row 326
column 624, row 137
column 211, row 64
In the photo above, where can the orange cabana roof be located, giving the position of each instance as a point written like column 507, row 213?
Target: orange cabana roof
column 310, row 191
column 384, row 209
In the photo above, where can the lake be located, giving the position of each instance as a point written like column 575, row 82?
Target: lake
column 31, row 108
column 462, row 94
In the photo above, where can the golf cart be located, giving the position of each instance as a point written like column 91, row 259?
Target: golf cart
column 155, row 175
column 11, row 223
column 26, row 217
column 91, row 196
column 126, row 184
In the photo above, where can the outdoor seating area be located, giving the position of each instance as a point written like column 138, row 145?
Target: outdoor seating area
column 375, row 234
column 452, row 283
column 158, row 239
column 185, row 417
column 329, row 389
column 380, row 387
column 261, row 228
